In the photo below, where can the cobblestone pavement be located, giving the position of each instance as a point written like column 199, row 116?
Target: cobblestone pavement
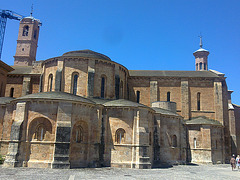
column 177, row 172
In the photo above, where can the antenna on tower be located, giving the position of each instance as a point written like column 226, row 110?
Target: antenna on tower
column 200, row 44
column 31, row 10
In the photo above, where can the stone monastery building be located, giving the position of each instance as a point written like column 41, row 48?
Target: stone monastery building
column 81, row 109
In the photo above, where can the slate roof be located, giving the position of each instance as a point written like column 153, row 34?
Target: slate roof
column 5, row 100
column 56, row 96
column 99, row 100
column 202, row 120
column 156, row 73
column 165, row 111
column 5, row 66
column 124, row 103
column 87, row 53
column 21, row 70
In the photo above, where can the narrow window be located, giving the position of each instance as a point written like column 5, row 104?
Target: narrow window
column 200, row 66
column 11, row 92
column 40, row 132
column 120, row 136
column 174, row 141
column 197, row 66
column 50, row 81
column 168, row 96
column 195, row 143
column 138, row 96
column 150, row 138
column 35, row 34
column 79, row 134
column 121, row 90
column 198, row 101
column 75, row 80
column 25, row 31
column 102, row 87
column 205, row 68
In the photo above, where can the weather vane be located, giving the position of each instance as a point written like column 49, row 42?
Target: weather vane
column 200, row 40
column 31, row 10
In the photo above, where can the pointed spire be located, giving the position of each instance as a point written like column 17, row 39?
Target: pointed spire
column 31, row 10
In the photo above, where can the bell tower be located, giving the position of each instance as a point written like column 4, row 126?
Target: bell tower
column 27, row 41
column 201, row 58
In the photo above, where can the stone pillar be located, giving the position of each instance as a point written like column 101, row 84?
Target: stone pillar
column 14, row 145
column 63, row 134
column 153, row 91
column 91, row 74
column 218, row 101
column 140, row 148
column 26, row 85
column 185, row 99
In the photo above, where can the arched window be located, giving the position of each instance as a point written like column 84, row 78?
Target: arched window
column 138, row 96
column 168, row 96
column 74, row 85
column 103, row 87
column 11, row 92
column 198, row 101
column 25, row 31
column 35, row 34
column 121, row 90
column 120, row 136
column 50, row 82
column 150, row 138
column 79, row 134
column 200, row 66
column 194, row 143
column 174, row 141
column 40, row 132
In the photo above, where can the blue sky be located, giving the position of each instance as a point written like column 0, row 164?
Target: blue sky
column 139, row 34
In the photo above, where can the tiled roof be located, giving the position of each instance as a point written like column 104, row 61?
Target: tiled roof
column 123, row 103
column 56, row 96
column 148, row 73
column 202, row 120
column 87, row 53
column 5, row 100
column 164, row 111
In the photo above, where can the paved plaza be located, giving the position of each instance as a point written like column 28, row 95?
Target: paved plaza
column 177, row 172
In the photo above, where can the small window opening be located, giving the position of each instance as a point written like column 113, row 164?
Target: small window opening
column 150, row 138
column 205, row 68
column 138, row 96
column 200, row 66
column 75, row 80
column 120, row 136
column 22, row 49
column 25, row 30
column 198, row 101
column 174, row 141
column 103, row 87
column 195, row 143
column 11, row 92
column 35, row 34
column 40, row 132
column 50, row 82
column 79, row 134
column 168, row 96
